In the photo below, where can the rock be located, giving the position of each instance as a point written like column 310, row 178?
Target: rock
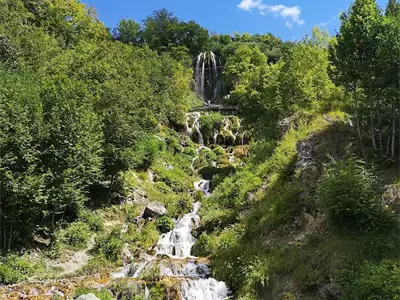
column 88, row 297
column 153, row 210
column 391, row 198
column 126, row 254
column 287, row 123
column 138, row 196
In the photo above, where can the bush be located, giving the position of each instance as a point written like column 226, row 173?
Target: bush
column 142, row 155
column 152, row 273
column 205, row 245
column 371, row 281
column 127, row 291
column 98, row 264
column 110, row 245
column 14, row 269
column 76, row 235
column 102, row 294
column 232, row 192
column 348, row 194
column 165, row 224
column 93, row 220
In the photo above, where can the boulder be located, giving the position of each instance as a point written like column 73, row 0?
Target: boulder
column 88, row 297
column 154, row 210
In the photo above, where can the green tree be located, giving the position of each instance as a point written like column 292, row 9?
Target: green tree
column 355, row 54
column 388, row 64
column 22, row 184
column 71, row 148
column 162, row 30
column 393, row 8
column 128, row 32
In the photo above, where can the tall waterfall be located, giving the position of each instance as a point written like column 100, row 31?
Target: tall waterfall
column 208, row 77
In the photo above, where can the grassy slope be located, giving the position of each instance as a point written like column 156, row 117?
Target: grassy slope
column 266, row 232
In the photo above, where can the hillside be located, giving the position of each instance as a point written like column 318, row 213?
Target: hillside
column 159, row 161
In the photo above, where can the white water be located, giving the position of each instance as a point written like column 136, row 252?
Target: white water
column 179, row 242
column 193, row 122
column 177, row 245
column 204, row 186
column 207, row 86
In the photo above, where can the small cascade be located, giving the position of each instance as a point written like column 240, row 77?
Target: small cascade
column 204, row 186
column 215, row 137
column 193, row 122
column 177, row 244
column 207, row 77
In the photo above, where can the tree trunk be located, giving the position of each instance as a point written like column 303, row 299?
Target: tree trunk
column 357, row 116
column 372, row 119
column 379, row 125
column 5, row 237
column 393, row 130
column 10, row 238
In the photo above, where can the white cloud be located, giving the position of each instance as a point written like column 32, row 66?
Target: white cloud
column 324, row 24
column 292, row 14
column 248, row 5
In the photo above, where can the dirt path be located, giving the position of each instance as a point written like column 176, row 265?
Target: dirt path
column 77, row 261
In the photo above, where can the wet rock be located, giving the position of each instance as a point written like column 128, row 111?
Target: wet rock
column 154, row 210
column 391, row 198
column 88, row 297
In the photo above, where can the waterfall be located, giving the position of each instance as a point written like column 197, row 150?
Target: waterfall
column 207, row 84
column 193, row 122
column 177, row 245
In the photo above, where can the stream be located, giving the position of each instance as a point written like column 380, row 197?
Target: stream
column 173, row 254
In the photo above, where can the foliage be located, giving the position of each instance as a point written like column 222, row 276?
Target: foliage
column 14, row 269
column 376, row 280
column 102, row 294
column 110, row 245
column 165, row 224
column 151, row 273
column 92, row 219
column 126, row 291
column 233, row 192
column 76, row 235
column 348, row 195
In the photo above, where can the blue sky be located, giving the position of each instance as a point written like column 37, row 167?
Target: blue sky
column 288, row 19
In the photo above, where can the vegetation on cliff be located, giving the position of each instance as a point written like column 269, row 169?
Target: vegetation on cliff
column 94, row 126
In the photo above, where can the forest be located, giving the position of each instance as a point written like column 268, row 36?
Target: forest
column 299, row 191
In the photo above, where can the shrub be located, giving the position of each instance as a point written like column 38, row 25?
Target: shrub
column 14, row 269
column 76, row 235
column 152, row 273
column 205, row 245
column 102, row 294
column 124, row 290
column 347, row 193
column 98, row 264
column 93, row 220
column 371, row 281
column 110, row 245
column 165, row 224
column 232, row 192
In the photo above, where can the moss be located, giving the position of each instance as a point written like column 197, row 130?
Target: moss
column 102, row 294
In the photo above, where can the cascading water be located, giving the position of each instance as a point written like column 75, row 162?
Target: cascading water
column 173, row 250
column 177, row 245
column 208, row 77
column 193, row 122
